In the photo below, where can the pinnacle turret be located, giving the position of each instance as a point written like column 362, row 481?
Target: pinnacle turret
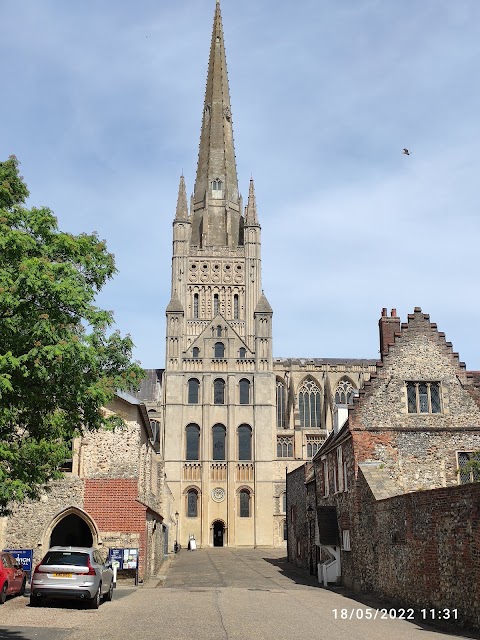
column 182, row 206
column 251, row 208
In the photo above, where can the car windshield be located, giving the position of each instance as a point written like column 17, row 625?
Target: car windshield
column 66, row 557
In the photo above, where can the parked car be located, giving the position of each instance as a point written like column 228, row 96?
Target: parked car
column 12, row 577
column 73, row 573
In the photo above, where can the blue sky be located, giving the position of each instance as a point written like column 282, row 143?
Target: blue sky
column 102, row 102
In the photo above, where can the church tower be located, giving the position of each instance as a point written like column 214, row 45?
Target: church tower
column 219, row 383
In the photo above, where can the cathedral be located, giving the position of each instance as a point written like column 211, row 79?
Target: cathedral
column 233, row 418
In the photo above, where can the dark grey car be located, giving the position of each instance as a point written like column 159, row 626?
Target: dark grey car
column 73, row 573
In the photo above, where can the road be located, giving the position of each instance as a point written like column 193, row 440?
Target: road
column 217, row 594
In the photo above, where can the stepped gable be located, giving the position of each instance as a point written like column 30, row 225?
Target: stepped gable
column 420, row 330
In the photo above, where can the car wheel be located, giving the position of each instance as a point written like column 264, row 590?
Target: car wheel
column 22, row 590
column 95, row 601
column 109, row 595
column 3, row 593
column 34, row 601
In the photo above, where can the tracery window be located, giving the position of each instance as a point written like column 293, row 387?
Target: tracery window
column 284, row 502
column 193, row 388
column 192, row 503
column 284, row 447
column 309, row 404
column 219, row 391
column 244, row 391
column 218, row 440
column 423, row 397
column 244, row 442
column 345, row 392
column 219, row 350
column 244, row 503
column 192, row 442
column 281, row 403
column 313, row 445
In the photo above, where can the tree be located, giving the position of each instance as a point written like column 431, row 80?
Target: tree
column 58, row 366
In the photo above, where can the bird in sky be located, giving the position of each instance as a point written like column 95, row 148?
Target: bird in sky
column 406, row 152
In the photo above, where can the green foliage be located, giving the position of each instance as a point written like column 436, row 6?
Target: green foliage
column 58, row 366
column 470, row 471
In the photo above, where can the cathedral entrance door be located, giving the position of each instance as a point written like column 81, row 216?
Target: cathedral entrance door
column 218, row 533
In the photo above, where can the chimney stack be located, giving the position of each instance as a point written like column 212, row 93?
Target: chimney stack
column 388, row 327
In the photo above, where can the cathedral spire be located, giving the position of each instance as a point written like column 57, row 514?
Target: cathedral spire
column 182, row 206
column 251, row 208
column 216, row 170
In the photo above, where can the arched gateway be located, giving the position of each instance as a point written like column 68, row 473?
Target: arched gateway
column 72, row 527
column 218, row 533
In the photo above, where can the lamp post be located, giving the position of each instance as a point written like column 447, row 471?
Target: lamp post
column 310, row 519
column 175, row 548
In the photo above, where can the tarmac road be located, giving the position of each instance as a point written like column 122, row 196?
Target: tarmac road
column 218, row 594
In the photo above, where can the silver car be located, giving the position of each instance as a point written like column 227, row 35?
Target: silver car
column 73, row 573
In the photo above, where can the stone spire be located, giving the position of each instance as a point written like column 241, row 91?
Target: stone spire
column 216, row 160
column 182, row 206
column 251, row 208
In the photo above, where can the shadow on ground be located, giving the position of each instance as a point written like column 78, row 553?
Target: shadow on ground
column 372, row 602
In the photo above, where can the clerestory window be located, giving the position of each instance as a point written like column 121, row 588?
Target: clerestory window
column 309, row 404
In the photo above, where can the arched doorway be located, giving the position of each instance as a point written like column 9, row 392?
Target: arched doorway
column 218, row 533
column 71, row 531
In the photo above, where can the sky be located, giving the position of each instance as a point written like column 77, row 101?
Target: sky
column 102, row 103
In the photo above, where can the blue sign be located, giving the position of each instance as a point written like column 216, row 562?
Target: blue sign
column 124, row 558
column 23, row 557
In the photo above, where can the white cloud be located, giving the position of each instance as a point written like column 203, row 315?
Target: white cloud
column 103, row 110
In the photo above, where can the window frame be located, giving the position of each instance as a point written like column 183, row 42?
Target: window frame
column 474, row 474
column 193, row 391
column 418, row 402
column 241, row 511
column 192, row 426
column 244, row 429
column 219, row 428
column 216, row 391
column 190, row 492
column 217, row 350
column 244, row 389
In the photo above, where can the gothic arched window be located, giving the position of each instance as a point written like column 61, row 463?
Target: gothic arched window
column 193, row 442
column 281, row 403
column 217, row 188
column 193, row 388
column 219, row 350
column 345, row 392
column 244, row 503
column 219, row 391
column 192, row 503
column 244, row 442
column 309, row 404
column 244, row 391
column 218, row 439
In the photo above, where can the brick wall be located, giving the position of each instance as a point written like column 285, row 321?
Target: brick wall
column 112, row 503
column 422, row 549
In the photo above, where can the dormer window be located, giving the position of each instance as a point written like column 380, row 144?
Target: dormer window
column 217, row 189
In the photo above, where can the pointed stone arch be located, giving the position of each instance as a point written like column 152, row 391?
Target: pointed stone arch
column 309, row 402
column 345, row 389
column 72, row 526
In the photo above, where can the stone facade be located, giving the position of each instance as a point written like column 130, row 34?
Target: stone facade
column 111, row 498
column 220, row 376
column 391, row 478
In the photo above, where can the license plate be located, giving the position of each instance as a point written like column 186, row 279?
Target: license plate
column 63, row 575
